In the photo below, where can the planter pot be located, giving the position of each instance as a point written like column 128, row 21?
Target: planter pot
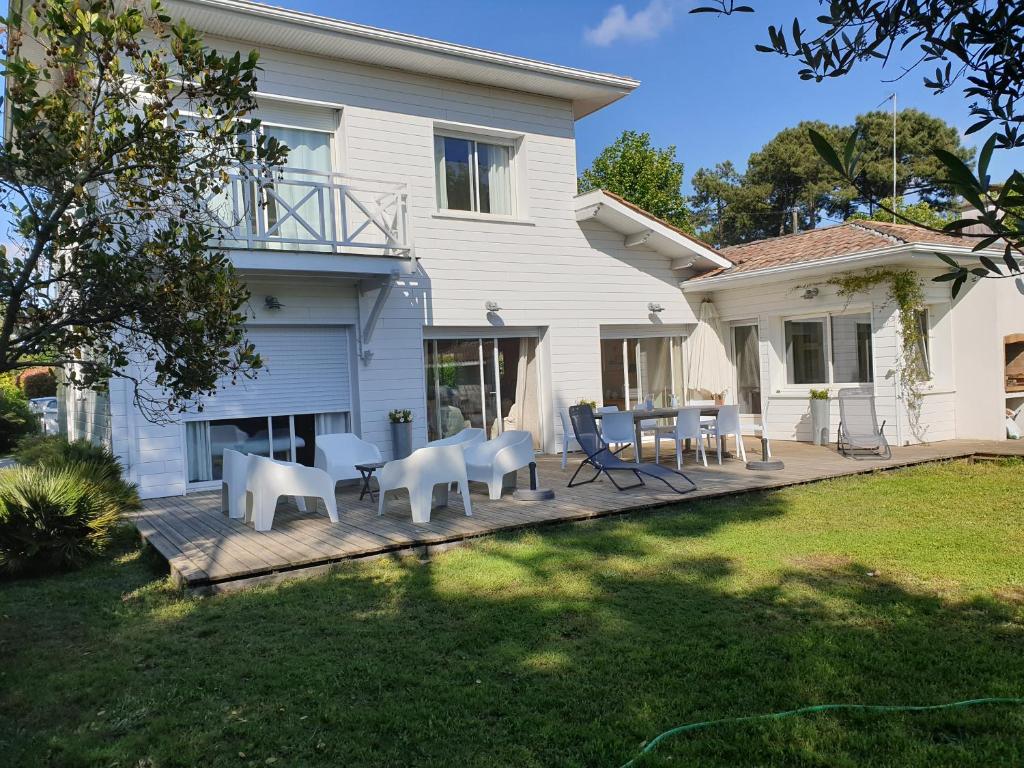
column 401, row 439
column 819, row 422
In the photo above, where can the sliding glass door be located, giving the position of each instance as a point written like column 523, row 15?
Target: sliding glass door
column 633, row 368
column 748, row 368
column 487, row 383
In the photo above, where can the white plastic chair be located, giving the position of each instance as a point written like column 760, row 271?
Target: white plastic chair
column 728, row 424
column 338, row 454
column 497, row 460
column 269, row 480
column 235, row 496
column 618, row 429
column 420, row 473
column 563, row 413
column 467, row 437
column 688, row 427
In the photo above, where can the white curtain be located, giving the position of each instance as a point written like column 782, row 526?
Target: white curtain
column 439, row 174
column 197, row 448
column 307, row 150
column 493, row 163
column 331, row 423
column 708, row 371
column 525, row 413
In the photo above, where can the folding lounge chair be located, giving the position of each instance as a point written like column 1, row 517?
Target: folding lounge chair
column 860, row 436
column 603, row 460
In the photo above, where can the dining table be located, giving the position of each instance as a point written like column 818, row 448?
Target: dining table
column 644, row 414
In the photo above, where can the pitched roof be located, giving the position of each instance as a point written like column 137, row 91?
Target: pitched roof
column 845, row 239
column 291, row 30
column 636, row 208
column 639, row 227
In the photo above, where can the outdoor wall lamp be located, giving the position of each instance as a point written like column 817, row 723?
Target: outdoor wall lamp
column 492, row 306
column 811, row 293
column 653, row 307
column 272, row 303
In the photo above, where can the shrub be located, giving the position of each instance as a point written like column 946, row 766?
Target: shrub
column 56, row 518
column 54, row 452
column 37, row 382
column 16, row 420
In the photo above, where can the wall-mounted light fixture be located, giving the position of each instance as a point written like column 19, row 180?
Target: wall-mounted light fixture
column 655, row 308
column 811, row 293
column 272, row 303
column 492, row 306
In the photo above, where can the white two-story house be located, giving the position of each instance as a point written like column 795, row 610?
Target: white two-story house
column 425, row 249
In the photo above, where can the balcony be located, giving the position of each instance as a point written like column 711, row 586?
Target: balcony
column 293, row 209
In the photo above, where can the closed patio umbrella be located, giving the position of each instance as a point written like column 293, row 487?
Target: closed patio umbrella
column 708, row 370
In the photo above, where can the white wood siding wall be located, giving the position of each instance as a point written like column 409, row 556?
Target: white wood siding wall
column 788, row 406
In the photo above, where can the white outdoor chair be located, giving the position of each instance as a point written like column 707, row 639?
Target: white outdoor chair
column 235, row 496
column 705, row 421
column 420, row 473
column 605, row 409
column 728, row 425
column 618, row 429
column 687, row 427
column 563, row 413
column 497, row 461
column 338, row 454
column 269, row 480
column 467, row 437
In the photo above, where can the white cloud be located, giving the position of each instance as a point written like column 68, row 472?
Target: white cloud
column 618, row 24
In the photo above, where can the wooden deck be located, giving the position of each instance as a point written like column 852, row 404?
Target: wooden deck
column 206, row 550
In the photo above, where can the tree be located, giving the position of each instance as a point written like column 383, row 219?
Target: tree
column 796, row 180
column 976, row 44
column 646, row 176
column 918, row 171
column 121, row 126
column 920, row 213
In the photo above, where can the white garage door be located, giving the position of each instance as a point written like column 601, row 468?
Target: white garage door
column 306, row 370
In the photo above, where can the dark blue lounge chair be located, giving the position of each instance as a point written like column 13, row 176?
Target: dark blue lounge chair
column 604, row 461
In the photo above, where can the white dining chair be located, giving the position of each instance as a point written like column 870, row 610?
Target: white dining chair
column 618, row 429
column 728, row 425
column 707, row 422
column 605, row 409
column 563, row 414
column 687, row 427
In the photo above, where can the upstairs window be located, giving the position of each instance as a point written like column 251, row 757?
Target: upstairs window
column 473, row 176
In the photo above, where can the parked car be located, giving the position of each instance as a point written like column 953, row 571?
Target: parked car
column 42, row 404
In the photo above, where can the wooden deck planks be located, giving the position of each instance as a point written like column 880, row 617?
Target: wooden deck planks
column 203, row 546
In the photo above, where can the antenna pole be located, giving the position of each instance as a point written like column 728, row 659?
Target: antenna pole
column 894, row 202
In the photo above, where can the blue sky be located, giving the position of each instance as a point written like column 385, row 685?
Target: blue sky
column 703, row 87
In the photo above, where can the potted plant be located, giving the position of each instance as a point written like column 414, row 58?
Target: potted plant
column 401, row 432
column 591, row 403
column 819, row 416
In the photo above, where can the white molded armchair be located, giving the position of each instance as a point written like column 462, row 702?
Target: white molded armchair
column 465, row 438
column 235, row 497
column 497, row 461
column 338, row 454
column 420, row 473
column 269, row 480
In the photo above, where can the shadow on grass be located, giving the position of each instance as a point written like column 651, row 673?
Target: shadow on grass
column 567, row 648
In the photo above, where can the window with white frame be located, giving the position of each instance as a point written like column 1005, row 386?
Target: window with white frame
column 831, row 349
column 923, row 347
column 473, row 175
column 285, row 438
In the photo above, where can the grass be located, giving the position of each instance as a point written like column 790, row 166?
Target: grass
column 570, row 647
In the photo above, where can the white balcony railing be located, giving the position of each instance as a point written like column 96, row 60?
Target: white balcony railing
column 296, row 209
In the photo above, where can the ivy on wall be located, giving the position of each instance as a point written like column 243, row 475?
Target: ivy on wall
column 905, row 290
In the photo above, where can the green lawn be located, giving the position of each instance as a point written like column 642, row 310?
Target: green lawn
column 569, row 647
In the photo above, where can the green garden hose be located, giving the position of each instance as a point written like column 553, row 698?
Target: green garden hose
column 880, row 708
